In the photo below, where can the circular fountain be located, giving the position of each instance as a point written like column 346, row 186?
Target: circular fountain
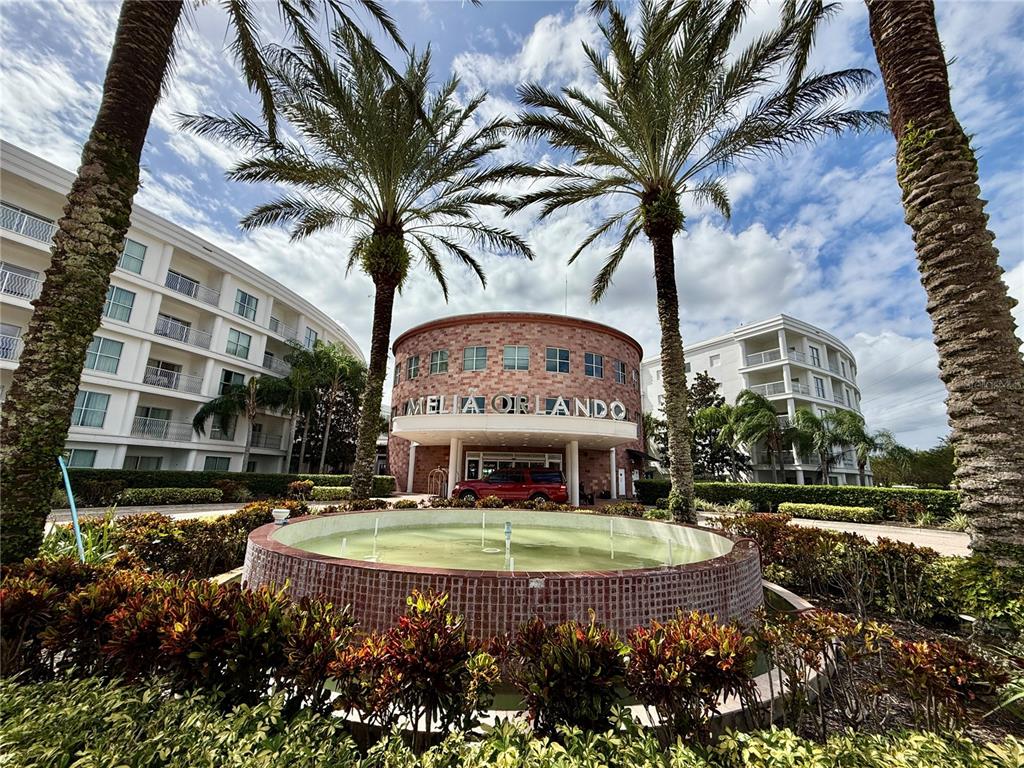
column 503, row 567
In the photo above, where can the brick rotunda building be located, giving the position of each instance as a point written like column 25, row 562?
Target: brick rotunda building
column 474, row 393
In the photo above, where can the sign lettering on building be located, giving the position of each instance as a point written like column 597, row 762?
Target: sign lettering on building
column 588, row 407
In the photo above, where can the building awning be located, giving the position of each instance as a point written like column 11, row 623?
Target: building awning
column 636, row 455
column 514, row 430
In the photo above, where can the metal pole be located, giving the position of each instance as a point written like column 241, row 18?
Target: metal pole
column 74, row 508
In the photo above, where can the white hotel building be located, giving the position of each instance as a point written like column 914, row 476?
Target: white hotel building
column 183, row 321
column 792, row 363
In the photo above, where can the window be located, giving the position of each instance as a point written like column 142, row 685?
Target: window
column 398, row 373
column 474, row 358
column 842, row 364
column 412, row 367
column 593, row 365
column 714, row 361
column 217, row 464
column 90, row 409
column 153, row 413
column 229, row 379
column 311, row 337
column 251, row 466
column 686, row 369
column 245, row 304
column 103, row 354
column 222, row 427
column 546, row 475
column 815, row 356
column 132, row 257
column 81, row 457
column 556, row 360
column 473, row 404
column 143, row 462
column 620, row 371
column 119, row 304
column 819, row 387
column 238, row 343
column 636, row 378
column 439, row 361
column 516, row 358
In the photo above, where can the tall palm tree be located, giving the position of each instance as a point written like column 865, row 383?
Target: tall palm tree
column 339, row 371
column 863, row 443
column 822, row 434
column 759, row 422
column 303, row 390
column 677, row 104
column 979, row 352
column 406, row 170
column 246, row 401
column 90, row 237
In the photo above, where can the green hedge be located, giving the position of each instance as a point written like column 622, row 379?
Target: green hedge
column 830, row 512
column 768, row 496
column 330, row 493
column 98, row 487
column 133, row 497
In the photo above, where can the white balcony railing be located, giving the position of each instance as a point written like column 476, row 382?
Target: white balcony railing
column 184, row 285
column 833, row 367
column 26, row 224
column 796, row 357
column 262, row 440
column 283, row 330
column 839, row 399
column 10, row 347
column 172, row 329
column 767, row 356
column 218, row 433
column 276, row 364
column 162, row 429
column 23, row 287
column 773, row 388
column 784, row 422
column 800, row 389
column 182, row 382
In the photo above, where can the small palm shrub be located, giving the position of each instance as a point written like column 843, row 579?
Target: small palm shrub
column 958, row 521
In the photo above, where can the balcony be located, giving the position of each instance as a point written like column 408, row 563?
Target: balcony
column 25, row 224
column 172, row 329
column 22, row 287
column 261, row 440
column 839, row 399
column 219, row 433
column 10, row 347
column 276, row 365
column 161, row 429
column 180, row 382
column 796, row 357
column 834, row 368
column 767, row 356
column 283, row 330
column 183, row 285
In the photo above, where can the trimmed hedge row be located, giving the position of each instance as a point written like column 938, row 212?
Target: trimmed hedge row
column 330, row 493
column 768, row 496
column 130, row 497
column 829, row 512
column 97, row 487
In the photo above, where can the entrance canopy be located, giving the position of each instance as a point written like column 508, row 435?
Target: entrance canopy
column 514, row 430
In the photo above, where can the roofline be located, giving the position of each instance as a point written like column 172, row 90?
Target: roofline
column 542, row 317
column 59, row 180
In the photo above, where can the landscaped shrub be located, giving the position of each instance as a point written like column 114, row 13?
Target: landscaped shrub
column 979, row 588
column 300, row 489
column 356, row 505
column 100, row 487
column 623, row 509
column 829, row 512
column 658, row 513
column 136, row 497
column 649, row 491
column 232, row 490
column 490, row 502
column 568, row 674
column 682, row 667
column 405, row 504
column 330, row 493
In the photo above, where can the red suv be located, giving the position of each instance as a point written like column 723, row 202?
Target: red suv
column 516, row 484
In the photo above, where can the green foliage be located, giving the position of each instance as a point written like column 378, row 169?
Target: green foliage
column 101, row 486
column 658, row 513
column 330, row 493
column 97, row 541
column 568, row 674
column 136, row 497
column 650, row 490
column 300, row 489
column 958, row 521
column 623, row 509
column 830, row 512
column 977, row 587
column 490, row 502
column 405, row 504
column 931, row 468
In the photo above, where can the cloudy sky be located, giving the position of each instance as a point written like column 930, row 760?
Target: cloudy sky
column 818, row 234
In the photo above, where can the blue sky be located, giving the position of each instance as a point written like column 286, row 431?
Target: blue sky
column 818, row 234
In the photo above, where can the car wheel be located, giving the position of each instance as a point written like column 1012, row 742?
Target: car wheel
column 467, row 496
column 538, row 497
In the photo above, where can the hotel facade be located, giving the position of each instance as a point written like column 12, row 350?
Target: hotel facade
column 475, row 393
column 183, row 321
column 792, row 363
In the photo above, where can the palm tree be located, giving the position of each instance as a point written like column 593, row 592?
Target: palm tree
column 90, row 237
column 339, row 370
column 675, row 106
column 245, row 400
column 403, row 169
column 759, row 422
column 865, row 444
column 303, row 391
column 979, row 352
column 726, row 420
column 822, row 434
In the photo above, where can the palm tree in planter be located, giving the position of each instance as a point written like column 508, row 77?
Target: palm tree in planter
column 676, row 105
column 758, row 422
column 260, row 393
column 979, row 352
column 405, row 170
column 90, row 237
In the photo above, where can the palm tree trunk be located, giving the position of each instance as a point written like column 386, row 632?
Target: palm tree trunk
column 860, row 472
column 979, row 353
column 327, row 432
column 369, row 415
column 775, row 464
column 680, row 435
column 291, row 442
column 781, row 463
column 305, row 439
column 247, row 449
column 88, row 242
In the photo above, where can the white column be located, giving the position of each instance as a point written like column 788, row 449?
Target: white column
column 128, row 417
column 615, row 473
column 572, row 451
column 453, row 463
column 210, row 383
column 142, row 360
column 412, row 468
column 782, row 342
column 120, row 451
column 787, row 377
column 799, row 476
